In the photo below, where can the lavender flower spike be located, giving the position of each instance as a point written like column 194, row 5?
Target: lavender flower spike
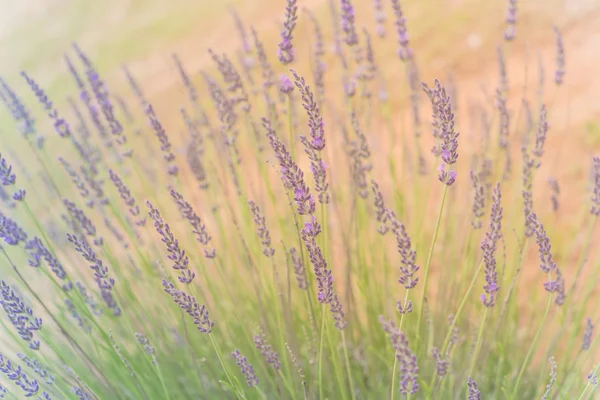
column 560, row 58
column 550, row 384
column 175, row 253
column 189, row 304
column 16, row 374
column 404, row 52
column 299, row 270
column 511, row 21
column 348, row 25
column 20, row 315
column 246, row 368
column 547, row 263
column 199, row 229
column 270, row 355
column 488, row 245
column 407, row 360
column 448, row 135
column 587, row 335
column 261, row 227
column 60, row 125
column 285, row 53
column 474, row 393
column 595, row 210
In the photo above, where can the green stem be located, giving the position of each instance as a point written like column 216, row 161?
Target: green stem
column 478, row 342
column 348, row 366
column 531, row 348
column 429, row 257
column 321, row 353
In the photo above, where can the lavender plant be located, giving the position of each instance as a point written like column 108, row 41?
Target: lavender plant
column 254, row 280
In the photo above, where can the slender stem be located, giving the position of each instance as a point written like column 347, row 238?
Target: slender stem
column 531, row 347
column 212, row 340
column 348, row 366
column 392, row 388
column 429, row 257
column 321, row 353
column 478, row 342
column 456, row 316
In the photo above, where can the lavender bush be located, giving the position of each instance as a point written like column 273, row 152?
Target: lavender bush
column 267, row 238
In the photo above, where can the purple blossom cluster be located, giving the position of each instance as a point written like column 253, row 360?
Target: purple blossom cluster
column 299, row 270
column 407, row 360
column 233, row 81
column 478, row 201
column 246, row 368
column 102, row 97
column 359, row 153
column 19, row 112
column 381, row 212
column 587, row 335
column 547, row 264
column 474, row 393
column 315, row 145
column 37, row 367
column 199, row 228
column 175, row 253
column 104, row 281
column 189, row 304
column 78, row 181
column 38, row 251
column 127, row 198
column 408, row 266
column 9, row 178
column 20, row 316
column 488, row 245
column 10, row 232
column 348, row 23
column 60, row 124
column 559, row 74
column 291, row 175
column 511, row 21
column 163, row 138
column 595, row 210
column 84, row 222
column 285, row 51
column 15, row 373
column 262, row 230
column 270, row 355
column 447, row 134
column 404, row 52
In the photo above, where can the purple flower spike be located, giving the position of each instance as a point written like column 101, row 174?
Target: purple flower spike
column 60, row 125
column 488, row 245
column 595, row 210
column 270, row 355
column 560, row 58
column 20, row 315
column 348, row 26
column 511, row 21
column 474, row 393
column 587, row 335
column 246, row 368
column 407, row 360
column 285, row 53
column 176, row 254
column 404, row 52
